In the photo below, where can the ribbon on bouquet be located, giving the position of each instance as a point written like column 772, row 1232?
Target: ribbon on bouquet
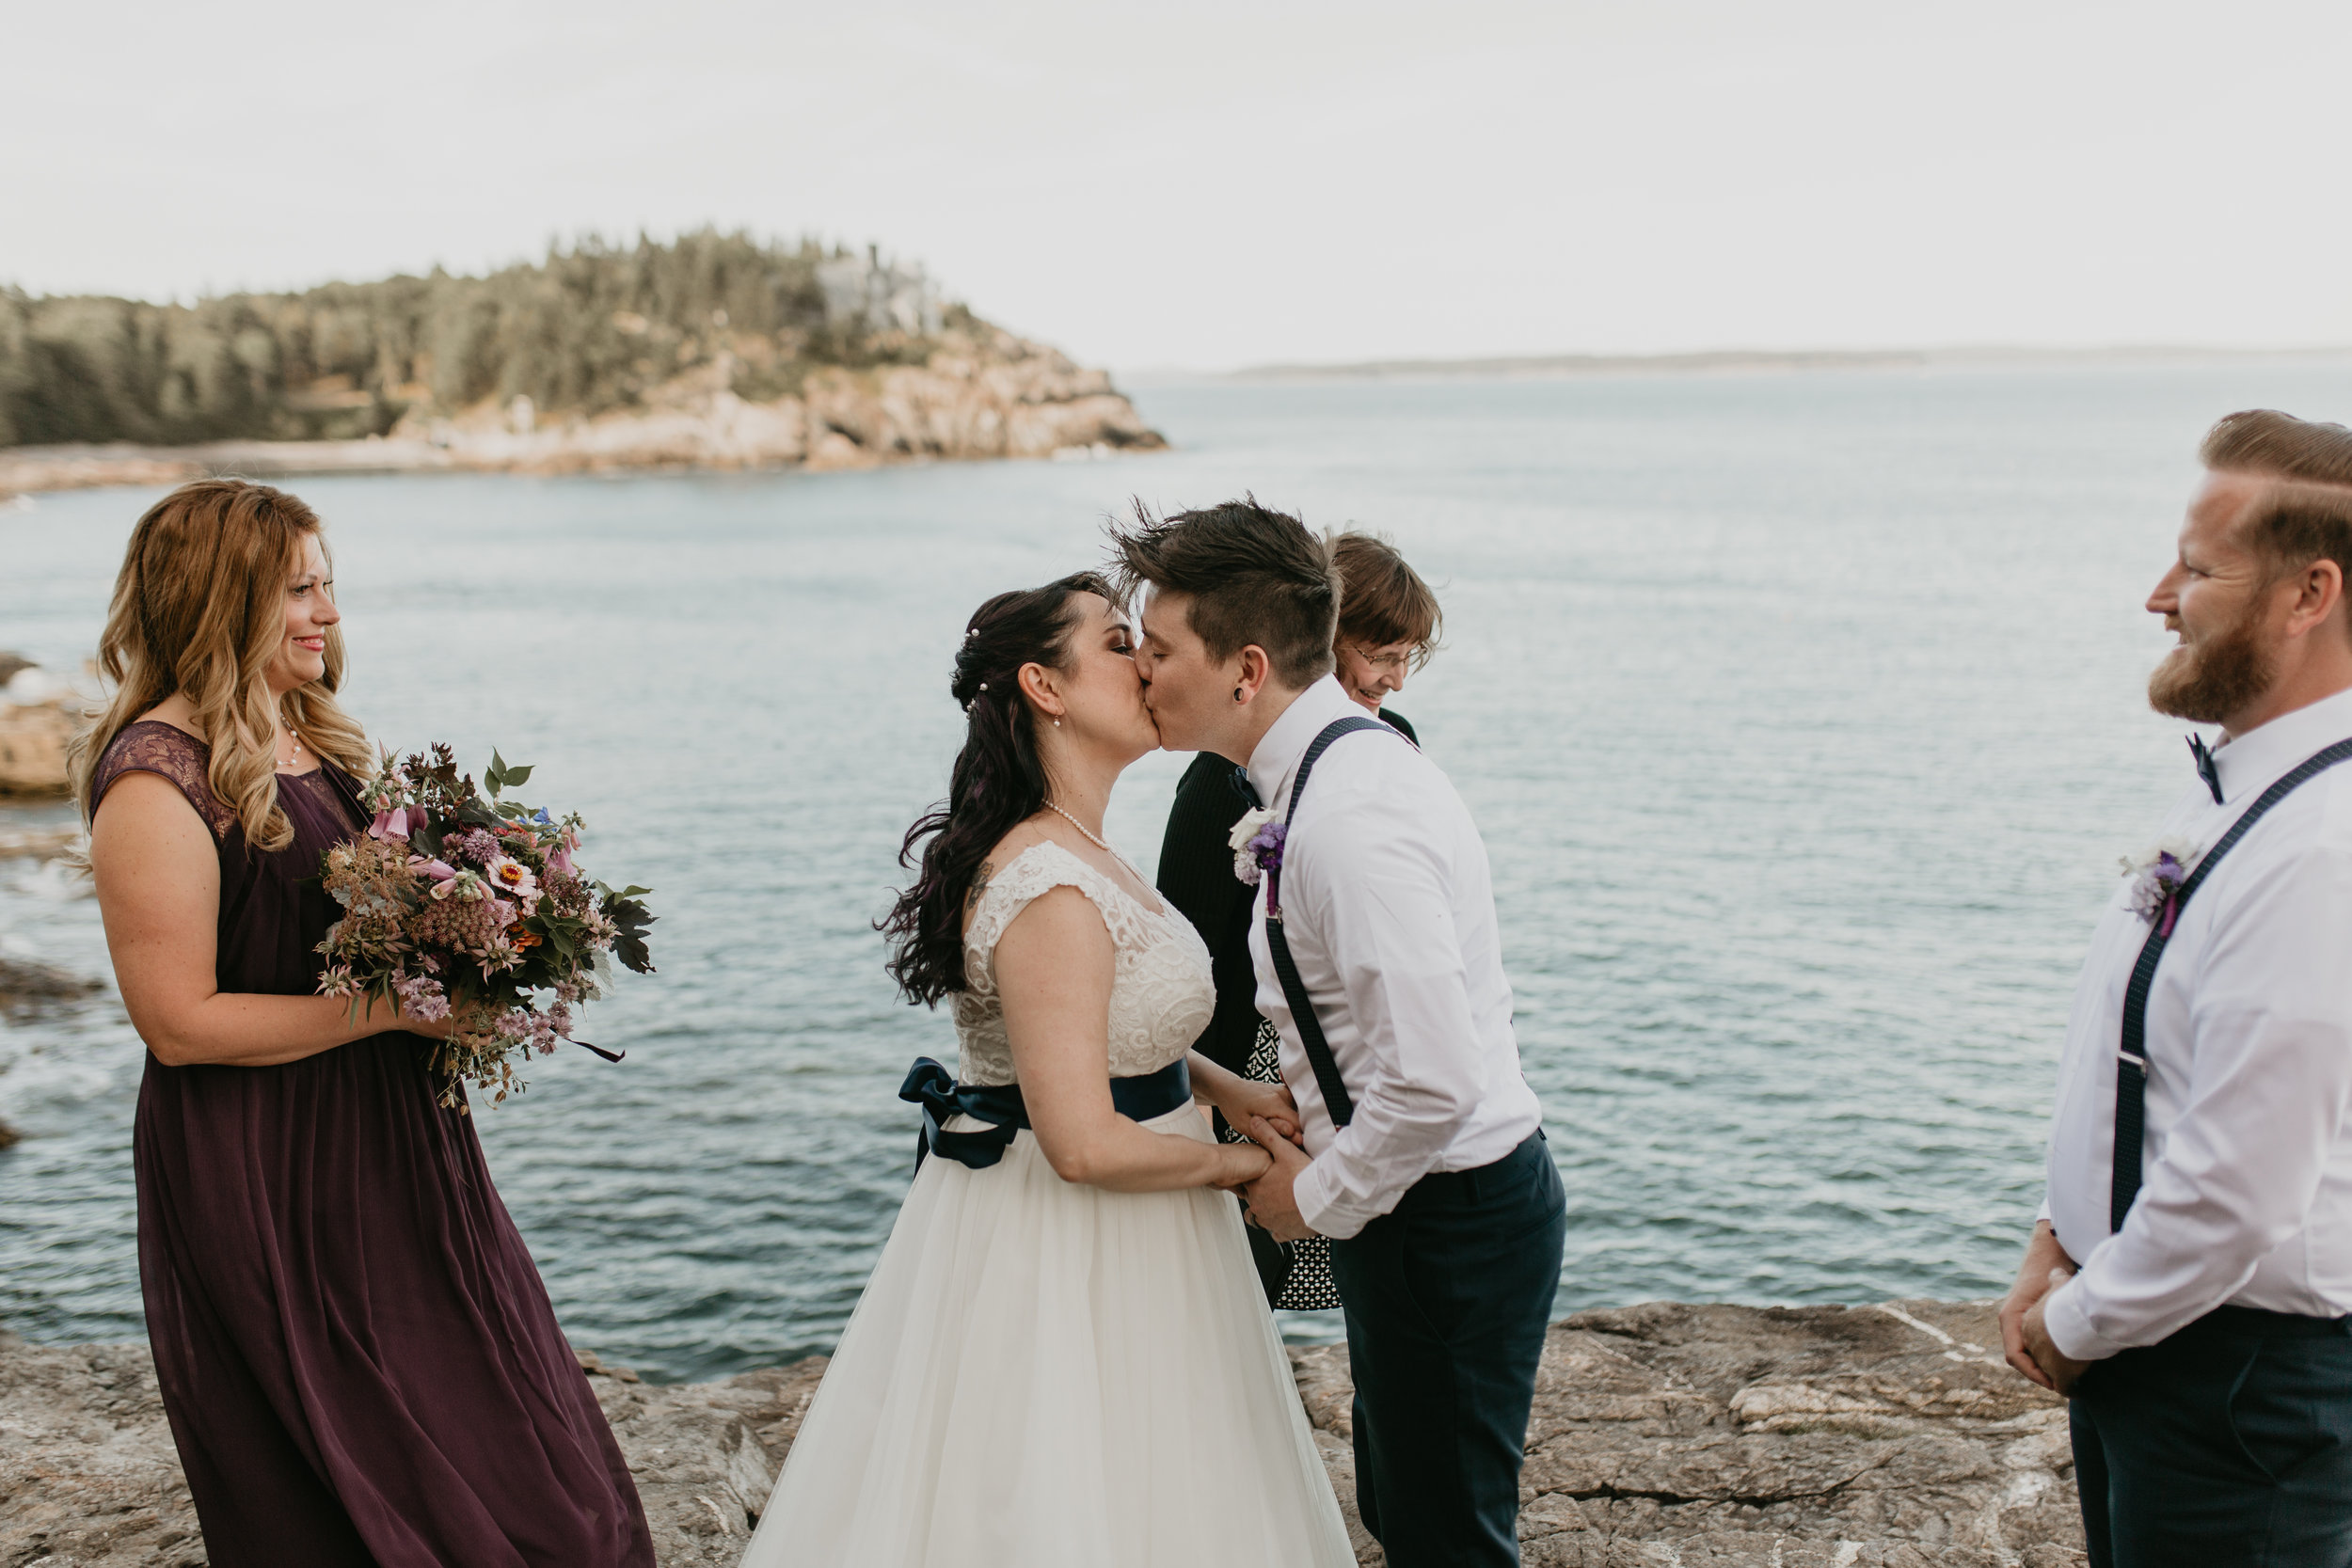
column 934, row 1088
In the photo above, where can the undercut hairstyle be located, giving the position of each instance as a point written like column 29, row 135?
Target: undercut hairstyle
column 2306, row 513
column 1382, row 599
column 1254, row 576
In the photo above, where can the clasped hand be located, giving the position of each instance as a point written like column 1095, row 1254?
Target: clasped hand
column 1242, row 1102
column 1270, row 1117
column 2026, row 1342
column 1272, row 1206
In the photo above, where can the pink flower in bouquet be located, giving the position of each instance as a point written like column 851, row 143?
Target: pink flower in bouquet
column 513, row 877
column 440, row 871
column 422, row 997
column 560, row 860
column 396, row 823
column 476, row 846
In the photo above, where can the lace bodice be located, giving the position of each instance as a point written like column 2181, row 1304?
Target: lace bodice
column 149, row 746
column 1161, row 996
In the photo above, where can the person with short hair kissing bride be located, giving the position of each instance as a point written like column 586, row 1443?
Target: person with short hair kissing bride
column 1064, row 1358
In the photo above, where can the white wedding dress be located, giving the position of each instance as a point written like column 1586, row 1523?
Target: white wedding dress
column 1048, row 1375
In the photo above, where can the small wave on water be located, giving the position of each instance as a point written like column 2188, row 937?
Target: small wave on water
column 1802, row 716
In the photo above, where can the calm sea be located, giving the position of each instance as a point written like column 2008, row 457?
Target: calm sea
column 1802, row 713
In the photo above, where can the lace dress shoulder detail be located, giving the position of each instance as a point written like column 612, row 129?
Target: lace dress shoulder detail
column 1034, row 872
column 1161, row 992
column 151, row 746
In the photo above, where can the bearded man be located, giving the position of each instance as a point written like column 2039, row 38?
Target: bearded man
column 2200, row 1155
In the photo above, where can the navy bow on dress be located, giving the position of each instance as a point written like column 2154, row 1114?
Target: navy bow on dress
column 2205, row 769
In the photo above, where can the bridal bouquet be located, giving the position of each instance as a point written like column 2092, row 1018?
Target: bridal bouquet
column 461, row 906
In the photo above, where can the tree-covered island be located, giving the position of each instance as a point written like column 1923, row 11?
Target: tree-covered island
column 710, row 350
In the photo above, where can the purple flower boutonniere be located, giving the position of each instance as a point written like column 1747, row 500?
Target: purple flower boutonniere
column 1257, row 845
column 2156, row 876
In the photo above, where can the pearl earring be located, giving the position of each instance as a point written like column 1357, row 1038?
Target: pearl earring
column 1058, row 723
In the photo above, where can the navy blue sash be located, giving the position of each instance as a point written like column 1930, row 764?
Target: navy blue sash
column 934, row 1088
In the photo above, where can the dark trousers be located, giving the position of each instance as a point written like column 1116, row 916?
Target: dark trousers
column 2227, row 1446
column 1447, row 1298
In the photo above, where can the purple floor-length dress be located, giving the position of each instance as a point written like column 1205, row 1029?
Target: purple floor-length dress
column 358, row 1358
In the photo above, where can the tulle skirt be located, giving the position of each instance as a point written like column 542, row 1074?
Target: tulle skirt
column 1048, row 1375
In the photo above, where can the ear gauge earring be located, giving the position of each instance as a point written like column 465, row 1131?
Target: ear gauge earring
column 1237, row 694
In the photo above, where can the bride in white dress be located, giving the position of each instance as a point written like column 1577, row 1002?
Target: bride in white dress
column 1064, row 1358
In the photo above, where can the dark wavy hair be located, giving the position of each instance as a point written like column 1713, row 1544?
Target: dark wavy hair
column 997, row 781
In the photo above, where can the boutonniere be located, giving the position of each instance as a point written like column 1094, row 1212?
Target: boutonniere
column 2156, row 876
column 1257, row 845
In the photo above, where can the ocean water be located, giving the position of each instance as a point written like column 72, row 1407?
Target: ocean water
column 1802, row 713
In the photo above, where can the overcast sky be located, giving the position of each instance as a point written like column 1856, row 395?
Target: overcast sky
column 1208, row 184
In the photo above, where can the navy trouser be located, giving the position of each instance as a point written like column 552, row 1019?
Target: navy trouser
column 1447, row 1298
column 2227, row 1446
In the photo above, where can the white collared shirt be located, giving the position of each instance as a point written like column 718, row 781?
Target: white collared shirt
column 1388, row 909
column 2245, row 1193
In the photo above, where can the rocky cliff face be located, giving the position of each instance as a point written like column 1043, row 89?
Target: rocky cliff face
column 39, row 714
column 981, row 394
column 1742, row 1437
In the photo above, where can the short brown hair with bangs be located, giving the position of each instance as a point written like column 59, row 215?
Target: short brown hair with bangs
column 2305, row 516
column 1382, row 599
column 1254, row 576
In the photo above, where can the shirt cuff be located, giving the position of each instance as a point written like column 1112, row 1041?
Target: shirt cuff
column 1318, row 1208
column 2068, row 1323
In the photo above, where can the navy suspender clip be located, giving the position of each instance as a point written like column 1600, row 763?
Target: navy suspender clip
column 2131, row 1067
column 1319, row 1057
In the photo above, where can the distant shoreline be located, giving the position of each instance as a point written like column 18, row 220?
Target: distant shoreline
column 1739, row 361
column 1008, row 399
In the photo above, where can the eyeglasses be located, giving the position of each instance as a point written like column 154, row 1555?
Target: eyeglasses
column 1392, row 663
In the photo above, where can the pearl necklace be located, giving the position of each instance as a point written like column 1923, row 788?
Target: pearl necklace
column 297, row 750
column 1081, row 827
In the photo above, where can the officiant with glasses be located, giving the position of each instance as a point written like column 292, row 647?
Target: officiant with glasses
column 2189, row 1280
column 1389, row 627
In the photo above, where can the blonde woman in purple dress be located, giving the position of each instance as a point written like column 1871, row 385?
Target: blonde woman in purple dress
column 356, row 1353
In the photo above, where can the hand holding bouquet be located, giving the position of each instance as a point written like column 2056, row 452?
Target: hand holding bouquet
column 465, row 908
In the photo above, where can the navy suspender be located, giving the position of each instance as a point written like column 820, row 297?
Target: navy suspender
column 2131, row 1067
column 1326, row 1070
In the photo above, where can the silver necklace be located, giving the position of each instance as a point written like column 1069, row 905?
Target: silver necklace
column 1081, row 827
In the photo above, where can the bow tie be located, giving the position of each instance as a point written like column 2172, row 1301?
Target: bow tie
column 1243, row 787
column 2205, row 769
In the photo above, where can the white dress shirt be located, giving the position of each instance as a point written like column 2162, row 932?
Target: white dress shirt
column 1388, row 909
column 2245, row 1193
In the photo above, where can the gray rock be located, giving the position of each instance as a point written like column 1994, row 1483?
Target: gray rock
column 27, row 988
column 1866, row 1436
column 88, row 1473
column 1734, row 1436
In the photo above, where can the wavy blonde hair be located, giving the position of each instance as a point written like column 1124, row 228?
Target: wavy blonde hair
column 200, row 608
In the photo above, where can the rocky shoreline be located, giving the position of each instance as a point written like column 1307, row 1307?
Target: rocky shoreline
column 979, row 395
column 1886, row 1437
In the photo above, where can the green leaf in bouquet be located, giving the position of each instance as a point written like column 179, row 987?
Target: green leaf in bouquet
column 502, row 773
column 631, row 919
